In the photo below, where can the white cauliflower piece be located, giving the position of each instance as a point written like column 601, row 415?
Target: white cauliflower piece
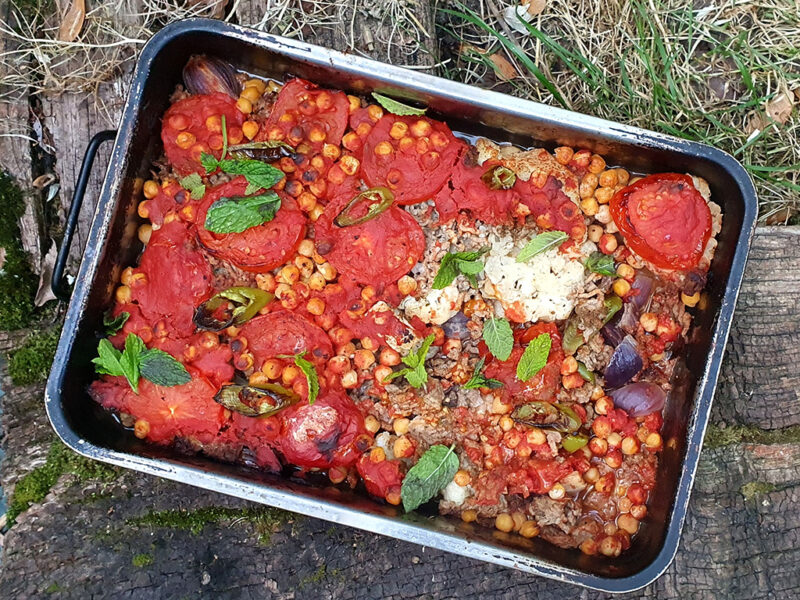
column 437, row 306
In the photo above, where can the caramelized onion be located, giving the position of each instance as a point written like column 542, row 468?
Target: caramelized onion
column 640, row 398
column 624, row 364
column 206, row 75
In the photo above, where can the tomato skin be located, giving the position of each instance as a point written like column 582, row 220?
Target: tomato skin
column 302, row 107
column 664, row 219
column 551, row 207
column 375, row 253
column 323, row 434
column 411, row 174
column 380, row 477
column 168, row 293
column 543, row 385
column 186, row 411
column 167, row 199
column 283, row 332
column 258, row 249
column 193, row 112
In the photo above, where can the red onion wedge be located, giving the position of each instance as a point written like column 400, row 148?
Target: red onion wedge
column 624, row 364
column 640, row 398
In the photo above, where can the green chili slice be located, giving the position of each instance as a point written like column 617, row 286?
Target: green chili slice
column 233, row 306
column 378, row 200
column 585, row 372
column 499, row 178
column 252, row 401
column 573, row 338
column 574, row 442
column 544, row 414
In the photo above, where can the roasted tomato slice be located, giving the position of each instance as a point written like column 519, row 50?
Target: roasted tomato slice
column 551, row 207
column 381, row 478
column 664, row 219
column 184, row 411
column 323, row 434
column 285, row 333
column 194, row 125
column 412, row 156
column 169, row 198
column 305, row 113
column 543, row 385
column 376, row 252
column 469, row 193
column 173, row 276
column 257, row 249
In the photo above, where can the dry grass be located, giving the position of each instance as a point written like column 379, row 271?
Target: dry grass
column 705, row 73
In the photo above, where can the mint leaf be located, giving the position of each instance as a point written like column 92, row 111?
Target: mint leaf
column 311, row 376
column 236, row 214
column 194, row 185
column 613, row 305
column 541, row 243
column 397, row 108
column 162, row 369
column 454, row 263
column 257, row 173
column 433, row 471
column 498, row 337
column 134, row 346
column 108, row 358
column 415, row 372
column 601, row 263
column 534, row 358
column 478, row 380
column 113, row 325
column 209, row 162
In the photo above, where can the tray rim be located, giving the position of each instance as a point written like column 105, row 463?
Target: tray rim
column 340, row 513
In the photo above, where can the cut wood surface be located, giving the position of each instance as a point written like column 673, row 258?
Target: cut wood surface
column 135, row 536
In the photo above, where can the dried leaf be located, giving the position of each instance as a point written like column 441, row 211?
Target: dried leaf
column 72, row 23
column 755, row 124
column 797, row 92
column 503, row 67
column 516, row 17
column 43, row 181
column 45, row 292
column 781, row 217
column 779, row 109
column 534, row 7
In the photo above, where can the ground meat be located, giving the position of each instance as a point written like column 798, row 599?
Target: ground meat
column 227, row 275
column 563, row 514
column 595, row 354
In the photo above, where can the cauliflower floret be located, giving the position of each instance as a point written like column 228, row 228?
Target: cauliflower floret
column 437, row 306
column 455, row 493
column 545, row 288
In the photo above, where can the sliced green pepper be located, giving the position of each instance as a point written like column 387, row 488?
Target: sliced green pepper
column 499, row 178
column 252, row 401
column 544, row 414
column 585, row 372
column 574, row 442
column 613, row 305
column 379, row 199
column 573, row 338
column 233, row 306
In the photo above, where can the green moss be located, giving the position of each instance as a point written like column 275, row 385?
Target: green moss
column 717, row 437
column 316, row 577
column 754, row 489
column 53, row 588
column 142, row 560
column 32, row 361
column 17, row 283
column 36, row 484
column 263, row 518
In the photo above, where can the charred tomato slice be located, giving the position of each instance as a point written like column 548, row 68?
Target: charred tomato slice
column 194, row 125
column 664, row 219
column 259, row 248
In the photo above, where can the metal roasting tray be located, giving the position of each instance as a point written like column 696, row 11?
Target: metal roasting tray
column 112, row 244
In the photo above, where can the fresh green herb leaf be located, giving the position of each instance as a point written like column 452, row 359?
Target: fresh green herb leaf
column 498, row 337
column 162, row 369
column 534, row 358
column 541, row 243
column 397, row 108
column 257, row 173
column 113, row 325
column 415, row 372
column 209, row 162
column 433, row 471
column 311, row 376
column 224, row 138
column 613, row 305
column 111, row 361
column 194, row 185
column 478, row 380
column 585, row 372
column 236, row 214
column 454, row 263
column 601, row 263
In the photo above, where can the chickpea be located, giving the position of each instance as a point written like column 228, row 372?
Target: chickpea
column 603, row 195
column 403, row 447
column 564, row 154
column 653, row 441
column 588, row 185
column 506, row 423
column 400, row 426
column 141, row 428
column 316, row 306
column 610, row 546
column 591, row 475
column 462, row 478
column 607, row 244
column 469, row 515
column 690, row 301
column 557, row 492
column 649, row 321
column 372, row 424
column 339, row 365
column 608, row 179
column 630, row 445
column 598, row 446
column 626, row 271
column 349, row 379
column 529, row 529
column 377, row 455
column 151, row 189
column 614, row 459
column 614, row 439
column 589, row 206
column 381, row 373
column 389, row 357
column 595, row 232
column 597, row 164
column 244, row 105
column 123, row 294
column 407, row 285
column 621, row 287
column 144, row 233
column 504, row 522
column 327, row 270
column 363, row 358
column 536, row 436
column 638, row 511
column 628, row 523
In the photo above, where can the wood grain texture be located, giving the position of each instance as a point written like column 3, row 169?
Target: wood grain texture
column 760, row 380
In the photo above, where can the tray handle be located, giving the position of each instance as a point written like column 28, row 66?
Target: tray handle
column 57, row 281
